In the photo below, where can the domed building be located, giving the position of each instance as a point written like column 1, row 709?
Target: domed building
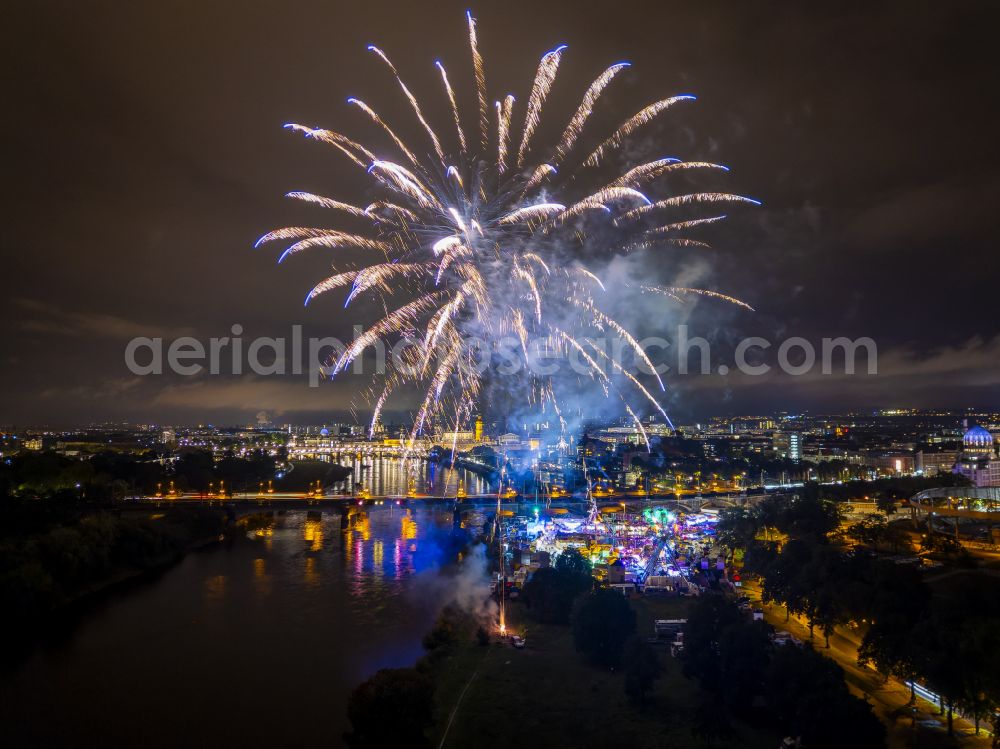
column 977, row 441
column 978, row 461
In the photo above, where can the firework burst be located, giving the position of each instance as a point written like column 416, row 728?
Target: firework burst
column 484, row 235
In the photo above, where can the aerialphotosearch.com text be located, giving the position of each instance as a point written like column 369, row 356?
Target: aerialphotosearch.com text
column 320, row 358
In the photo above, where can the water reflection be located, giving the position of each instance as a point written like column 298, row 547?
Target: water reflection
column 262, row 581
column 312, row 532
column 215, row 587
column 306, row 603
column 397, row 477
column 377, row 558
column 310, row 574
column 360, row 524
column 408, row 530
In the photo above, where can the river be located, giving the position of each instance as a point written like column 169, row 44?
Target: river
column 253, row 642
column 387, row 476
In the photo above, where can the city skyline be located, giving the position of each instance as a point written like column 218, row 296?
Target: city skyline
column 263, row 420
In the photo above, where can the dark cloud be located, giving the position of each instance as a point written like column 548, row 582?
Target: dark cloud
column 143, row 154
column 36, row 317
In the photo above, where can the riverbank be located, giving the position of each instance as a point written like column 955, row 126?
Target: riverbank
column 124, row 577
column 253, row 642
column 54, row 570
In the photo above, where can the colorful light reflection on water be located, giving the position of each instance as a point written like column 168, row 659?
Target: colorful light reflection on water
column 272, row 626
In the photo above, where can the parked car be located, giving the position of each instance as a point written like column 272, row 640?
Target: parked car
column 786, row 638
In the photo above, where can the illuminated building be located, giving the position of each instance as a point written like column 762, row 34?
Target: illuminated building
column 978, row 461
column 893, row 463
column 461, row 440
column 479, row 429
column 930, row 463
column 978, row 442
column 509, row 440
column 788, row 445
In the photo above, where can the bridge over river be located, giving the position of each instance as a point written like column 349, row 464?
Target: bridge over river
column 304, row 501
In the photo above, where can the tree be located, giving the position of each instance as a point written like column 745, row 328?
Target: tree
column 897, row 536
column 449, row 628
column 744, row 653
column 393, row 708
column 602, row 622
column 958, row 646
column 808, row 697
column 642, row 668
column 819, row 581
column 759, row 557
column 782, row 581
column 710, row 722
column 878, row 532
column 949, row 546
column 738, row 527
column 571, row 563
column 709, row 618
column 868, row 530
column 810, row 518
column 886, row 503
column 194, row 470
column 896, row 600
column 771, row 513
column 241, row 473
column 551, row 591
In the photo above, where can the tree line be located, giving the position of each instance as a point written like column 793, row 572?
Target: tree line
column 947, row 639
column 791, row 690
column 108, row 476
column 43, row 570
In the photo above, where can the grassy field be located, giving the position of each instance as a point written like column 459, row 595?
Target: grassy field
column 546, row 695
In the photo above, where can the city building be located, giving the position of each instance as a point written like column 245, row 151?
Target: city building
column 978, row 461
column 931, row 462
column 788, row 445
column 461, row 440
column 892, row 463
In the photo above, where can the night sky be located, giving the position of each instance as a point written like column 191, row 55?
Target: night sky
column 143, row 154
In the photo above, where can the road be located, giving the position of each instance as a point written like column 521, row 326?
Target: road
column 889, row 698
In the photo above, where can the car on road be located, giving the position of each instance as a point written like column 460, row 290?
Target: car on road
column 517, row 642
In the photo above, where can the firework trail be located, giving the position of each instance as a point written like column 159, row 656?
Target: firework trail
column 480, row 72
column 486, row 237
